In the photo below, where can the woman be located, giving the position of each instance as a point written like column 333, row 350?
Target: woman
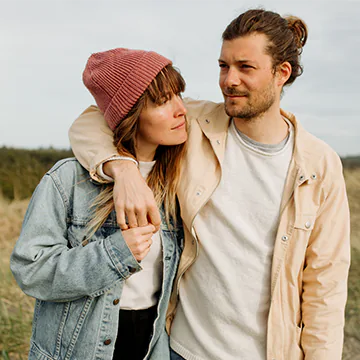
column 102, row 292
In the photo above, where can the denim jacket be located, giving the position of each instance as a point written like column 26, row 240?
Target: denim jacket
column 77, row 283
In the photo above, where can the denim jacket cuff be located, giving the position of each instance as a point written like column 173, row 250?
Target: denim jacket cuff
column 120, row 254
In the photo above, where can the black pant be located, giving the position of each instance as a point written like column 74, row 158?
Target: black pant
column 134, row 335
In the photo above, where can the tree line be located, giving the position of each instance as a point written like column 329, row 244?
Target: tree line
column 22, row 169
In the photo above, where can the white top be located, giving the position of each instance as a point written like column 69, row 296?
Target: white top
column 141, row 290
column 225, row 295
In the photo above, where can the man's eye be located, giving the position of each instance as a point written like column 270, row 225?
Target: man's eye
column 245, row 66
column 223, row 66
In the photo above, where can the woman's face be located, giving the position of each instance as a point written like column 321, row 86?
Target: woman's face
column 160, row 125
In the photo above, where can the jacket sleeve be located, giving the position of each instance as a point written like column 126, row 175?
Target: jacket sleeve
column 325, row 275
column 47, row 268
column 92, row 141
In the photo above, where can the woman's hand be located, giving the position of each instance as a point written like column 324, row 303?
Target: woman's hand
column 139, row 240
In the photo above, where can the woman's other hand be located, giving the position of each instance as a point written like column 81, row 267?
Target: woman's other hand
column 139, row 240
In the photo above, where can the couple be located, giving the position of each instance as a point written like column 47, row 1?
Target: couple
column 256, row 268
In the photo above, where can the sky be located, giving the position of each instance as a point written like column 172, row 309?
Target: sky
column 45, row 46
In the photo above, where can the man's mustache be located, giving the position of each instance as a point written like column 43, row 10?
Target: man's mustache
column 234, row 92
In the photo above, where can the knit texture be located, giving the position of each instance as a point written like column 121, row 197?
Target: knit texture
column 117, row 78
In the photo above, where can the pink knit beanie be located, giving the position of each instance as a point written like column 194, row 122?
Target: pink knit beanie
column 117, row 78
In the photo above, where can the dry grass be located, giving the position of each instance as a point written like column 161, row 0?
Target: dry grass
column 352, row 178
column 352, row 335
column 16, row 308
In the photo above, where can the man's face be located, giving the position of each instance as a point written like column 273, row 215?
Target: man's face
column 247, row 79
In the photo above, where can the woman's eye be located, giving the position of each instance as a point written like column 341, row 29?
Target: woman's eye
column 163, row 101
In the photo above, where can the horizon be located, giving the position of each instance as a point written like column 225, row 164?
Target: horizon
column 69, row 149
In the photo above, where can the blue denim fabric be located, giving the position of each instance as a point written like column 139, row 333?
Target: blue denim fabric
column 175, row 356
column 75, row 282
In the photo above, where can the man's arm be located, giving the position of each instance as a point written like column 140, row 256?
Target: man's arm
column 91, row 140
column 325, row 276
column 92, row 143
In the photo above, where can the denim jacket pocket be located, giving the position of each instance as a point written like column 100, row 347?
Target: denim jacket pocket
column 67, row 319
column 78, row 232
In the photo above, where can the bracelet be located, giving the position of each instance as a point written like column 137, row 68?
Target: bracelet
column 100, row 171
column 123, row 158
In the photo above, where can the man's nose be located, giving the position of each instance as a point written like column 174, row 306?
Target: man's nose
column 232, row 78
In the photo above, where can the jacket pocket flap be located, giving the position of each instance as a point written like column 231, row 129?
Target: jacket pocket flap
column 304, row 221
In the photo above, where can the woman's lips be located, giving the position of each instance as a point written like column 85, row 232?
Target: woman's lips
column 179, row 126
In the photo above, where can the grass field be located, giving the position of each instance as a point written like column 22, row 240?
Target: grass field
column 16, row 308
column 352, row 333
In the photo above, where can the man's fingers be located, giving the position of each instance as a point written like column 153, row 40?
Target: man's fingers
column 131, row 216
column 141, row 216
column 121, row 220
column 154, row 216
column 132, row 196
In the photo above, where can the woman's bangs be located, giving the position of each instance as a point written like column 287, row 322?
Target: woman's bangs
column 167, row 83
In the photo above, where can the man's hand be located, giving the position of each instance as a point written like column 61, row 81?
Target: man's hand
column 133, row 199
column 139, row 240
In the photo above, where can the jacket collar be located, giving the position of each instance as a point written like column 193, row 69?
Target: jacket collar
column 214, row 123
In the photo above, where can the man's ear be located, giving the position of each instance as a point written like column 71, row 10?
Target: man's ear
column 283, row 73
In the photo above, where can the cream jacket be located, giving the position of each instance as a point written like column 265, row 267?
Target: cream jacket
column 312, row 247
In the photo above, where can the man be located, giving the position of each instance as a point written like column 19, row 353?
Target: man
column 264, row 269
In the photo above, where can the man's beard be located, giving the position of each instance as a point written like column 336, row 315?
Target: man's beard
column 256, row 105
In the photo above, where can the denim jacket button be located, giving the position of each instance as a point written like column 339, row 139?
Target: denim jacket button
column 116, row 301
column 107, row 342
column 132, row 270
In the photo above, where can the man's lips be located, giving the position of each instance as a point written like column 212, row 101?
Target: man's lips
column 235, row 95
column 178, row 126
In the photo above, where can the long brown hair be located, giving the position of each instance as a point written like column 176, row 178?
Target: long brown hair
column 287, row 36
column 164, row 177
